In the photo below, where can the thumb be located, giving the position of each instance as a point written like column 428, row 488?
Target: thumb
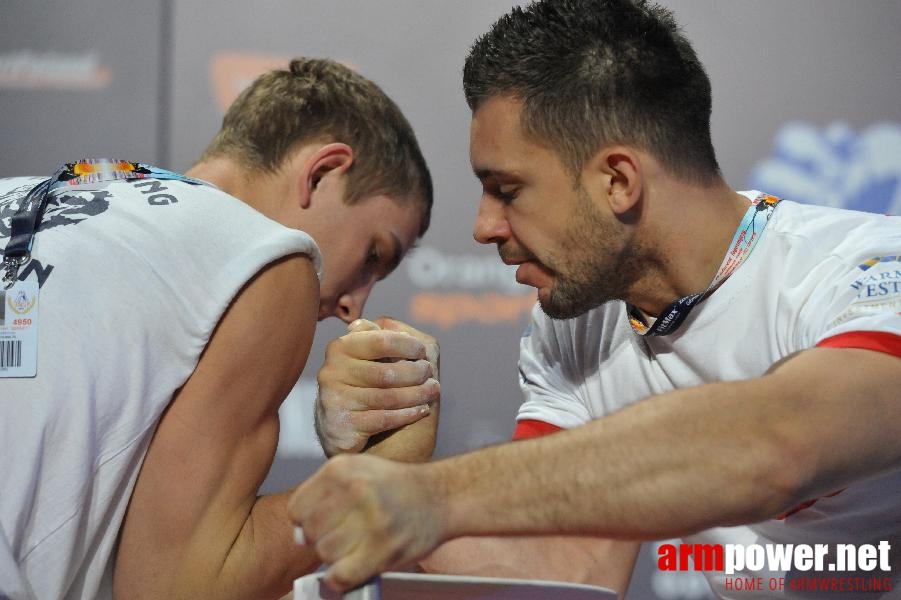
column 362, row 325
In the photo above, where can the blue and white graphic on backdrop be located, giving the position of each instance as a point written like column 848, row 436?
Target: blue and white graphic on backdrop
column 835, row 166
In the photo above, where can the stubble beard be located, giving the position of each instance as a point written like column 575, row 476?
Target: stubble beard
column 602, row 262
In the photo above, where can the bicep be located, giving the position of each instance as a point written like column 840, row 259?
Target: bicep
column 840, row 397
column 216, row 440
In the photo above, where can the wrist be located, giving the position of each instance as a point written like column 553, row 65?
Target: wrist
column 439, row 479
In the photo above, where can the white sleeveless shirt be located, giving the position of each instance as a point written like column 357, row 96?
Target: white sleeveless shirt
column 134, row 276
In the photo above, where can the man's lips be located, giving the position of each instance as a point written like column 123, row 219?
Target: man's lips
column 533, row 273
column 515, row 259
column 530, row 270
column 514, row 262
column 522, row 273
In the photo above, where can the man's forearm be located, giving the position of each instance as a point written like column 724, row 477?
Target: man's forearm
column 410, row 443
column 593, row 561
column 718, row 454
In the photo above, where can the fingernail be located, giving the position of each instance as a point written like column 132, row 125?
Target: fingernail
column 299, row 538
column 363, row 325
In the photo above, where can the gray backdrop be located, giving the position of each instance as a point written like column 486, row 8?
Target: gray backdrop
column 805, row 105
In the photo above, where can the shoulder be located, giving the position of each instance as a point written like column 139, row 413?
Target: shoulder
column 836, row 230
column 258, row 349
column 817, row 243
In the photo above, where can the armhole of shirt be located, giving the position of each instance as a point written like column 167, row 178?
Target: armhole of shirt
column 531, row 428
column 880, row 341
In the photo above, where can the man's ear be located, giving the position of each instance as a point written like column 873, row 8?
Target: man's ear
column 617, row 170
column 323, row 169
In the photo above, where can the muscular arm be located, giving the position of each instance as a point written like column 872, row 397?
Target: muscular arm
column 590, row 560
column 351, row 383
column 718, row 454
column 195, row 527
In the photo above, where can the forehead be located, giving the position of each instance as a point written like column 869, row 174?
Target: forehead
column 400, row 217
column 495, row 124
column 498, row 144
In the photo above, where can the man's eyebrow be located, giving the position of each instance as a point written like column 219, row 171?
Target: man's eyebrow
column 483, row 174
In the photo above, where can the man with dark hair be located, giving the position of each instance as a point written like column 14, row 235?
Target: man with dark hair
column 724, row 365
column 176, row 313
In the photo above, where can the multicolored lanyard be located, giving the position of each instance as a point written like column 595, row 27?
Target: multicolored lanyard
column 86, row 172
column 744, row 240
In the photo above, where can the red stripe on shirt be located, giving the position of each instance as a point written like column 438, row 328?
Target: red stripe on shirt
column 880, row 341
column 529, row 428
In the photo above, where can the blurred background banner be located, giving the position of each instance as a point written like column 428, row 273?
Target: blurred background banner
column 806, row 106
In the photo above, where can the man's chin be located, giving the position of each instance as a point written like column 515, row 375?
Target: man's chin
column 561, row 310
column 553, row 309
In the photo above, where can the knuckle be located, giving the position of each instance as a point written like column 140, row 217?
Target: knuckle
column 429, row 391
column 425, row 368
column 387, row 376
column 346, row 444
column 383, row 399
column 335, row 347
column 337, row 467
column 383, row 345
column 382, row 421
column 366, row 371
column 324, row 550
column 340, row 577
column 395, row 398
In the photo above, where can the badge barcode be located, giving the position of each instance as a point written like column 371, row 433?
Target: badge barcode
column 10, row 353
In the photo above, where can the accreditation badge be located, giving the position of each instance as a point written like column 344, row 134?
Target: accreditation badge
column 19, row 330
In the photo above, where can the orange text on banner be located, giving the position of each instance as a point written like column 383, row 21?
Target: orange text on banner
column 448, row 310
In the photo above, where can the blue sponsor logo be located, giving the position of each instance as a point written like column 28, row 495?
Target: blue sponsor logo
column 878, row 283
column 835, row 166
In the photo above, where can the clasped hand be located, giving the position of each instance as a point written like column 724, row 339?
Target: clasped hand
column 378, row 379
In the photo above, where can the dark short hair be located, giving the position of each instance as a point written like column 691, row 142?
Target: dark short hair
column 320, row 100
column 596, row 72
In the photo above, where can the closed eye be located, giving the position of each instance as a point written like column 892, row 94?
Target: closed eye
column 503, row 185
column 506, row 194
column 382, row 261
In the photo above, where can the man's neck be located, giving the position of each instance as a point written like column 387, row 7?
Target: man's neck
column 258, row 190
column 691, row 229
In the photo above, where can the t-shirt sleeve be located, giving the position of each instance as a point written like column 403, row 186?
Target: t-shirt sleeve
column 863, row 309
column 530, row 428
column 547, row 378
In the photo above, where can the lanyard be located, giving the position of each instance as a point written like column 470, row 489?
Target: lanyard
column 744, row 240
column 84, row 173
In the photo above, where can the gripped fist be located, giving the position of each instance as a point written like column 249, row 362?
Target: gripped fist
column 365, row 515
column 378, row 377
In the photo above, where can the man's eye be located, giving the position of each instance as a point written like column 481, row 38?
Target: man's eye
column 506, row 194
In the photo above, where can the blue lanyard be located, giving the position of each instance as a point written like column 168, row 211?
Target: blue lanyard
column 83, row 173
column 746, row 236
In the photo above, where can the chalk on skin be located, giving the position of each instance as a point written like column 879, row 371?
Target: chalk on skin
column 358, row 325
column 362, row 325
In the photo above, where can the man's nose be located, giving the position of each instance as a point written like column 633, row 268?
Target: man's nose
column 350, row 306
column 491, row 225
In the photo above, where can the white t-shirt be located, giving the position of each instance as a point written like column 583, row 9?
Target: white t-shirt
column 134, row 276
column 817, row 277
